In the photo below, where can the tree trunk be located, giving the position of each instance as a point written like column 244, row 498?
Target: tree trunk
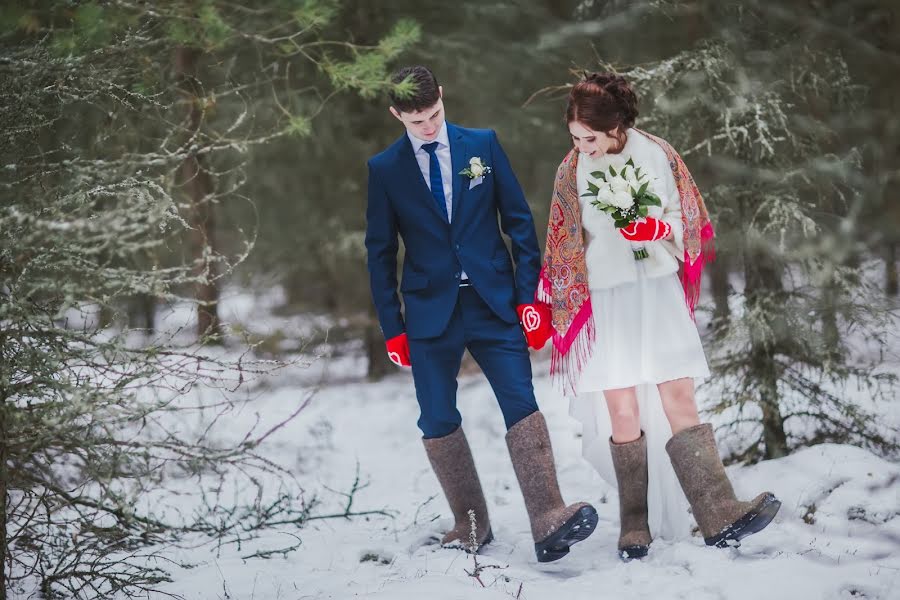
column 106, row 316
column 763, row 288
column 718, row 272
column 148, row 308
column 379, row 363
column 774, row 435
column 831, row 335
column 764, row 372
column 891, row 284
column 197, row 184
column 142, row 312
column 3, row 489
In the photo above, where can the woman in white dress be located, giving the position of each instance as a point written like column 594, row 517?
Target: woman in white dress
column 625, row 345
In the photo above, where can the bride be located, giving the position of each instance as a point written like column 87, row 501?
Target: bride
column 625, row 345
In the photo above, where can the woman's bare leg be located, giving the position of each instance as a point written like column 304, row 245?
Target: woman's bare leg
column 623, row 414
column 679, row 403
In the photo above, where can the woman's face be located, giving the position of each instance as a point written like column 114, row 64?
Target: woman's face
column 590, row 142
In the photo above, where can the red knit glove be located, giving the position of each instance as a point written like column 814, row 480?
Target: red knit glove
column 646, row 230
column 535, row 321
column 398, row 350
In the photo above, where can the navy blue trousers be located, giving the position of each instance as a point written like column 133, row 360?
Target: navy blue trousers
column 498, row 347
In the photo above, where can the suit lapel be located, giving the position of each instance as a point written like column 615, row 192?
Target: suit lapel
column 410, row 167
column 458, row 162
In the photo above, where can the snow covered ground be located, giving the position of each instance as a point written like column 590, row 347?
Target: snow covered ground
column 837, row 535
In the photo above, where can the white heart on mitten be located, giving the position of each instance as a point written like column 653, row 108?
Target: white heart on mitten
column 531, row 319
column 631, row 229
column 395, row 358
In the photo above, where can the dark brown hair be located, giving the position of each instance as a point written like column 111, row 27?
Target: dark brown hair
column 425, row 95
column 603, row 102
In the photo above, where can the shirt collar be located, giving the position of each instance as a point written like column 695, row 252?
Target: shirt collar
column 443, row 139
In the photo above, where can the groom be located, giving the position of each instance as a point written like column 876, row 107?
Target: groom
column 441, row 187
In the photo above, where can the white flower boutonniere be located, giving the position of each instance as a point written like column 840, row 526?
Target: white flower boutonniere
column 475, row 169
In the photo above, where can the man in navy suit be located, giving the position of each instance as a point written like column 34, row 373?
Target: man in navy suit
column 441, row 188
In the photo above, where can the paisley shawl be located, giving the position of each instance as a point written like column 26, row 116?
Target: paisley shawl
column 564, row 279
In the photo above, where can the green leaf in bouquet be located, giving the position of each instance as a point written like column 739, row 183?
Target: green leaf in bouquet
column 620, row 223
column 652, row 199
column 606, row 208
column 643, row 188
column 593, row 187
column 643, row 211
column 630, row 162
column 599, row 175
column 612, row 171
column 637, row 173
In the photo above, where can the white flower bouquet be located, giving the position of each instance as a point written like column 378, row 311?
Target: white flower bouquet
column 622, row 194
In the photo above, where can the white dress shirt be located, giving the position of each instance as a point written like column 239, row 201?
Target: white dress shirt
column 444, row 160
column 443, row 156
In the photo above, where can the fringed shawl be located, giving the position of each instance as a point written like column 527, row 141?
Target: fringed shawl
column 564, row 279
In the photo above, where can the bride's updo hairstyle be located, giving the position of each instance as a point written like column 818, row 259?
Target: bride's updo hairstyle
column 604, row 102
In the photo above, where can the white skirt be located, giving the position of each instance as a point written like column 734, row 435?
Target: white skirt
column 644, row 336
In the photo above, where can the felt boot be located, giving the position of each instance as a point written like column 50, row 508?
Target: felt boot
column 630, row 462
column 452, row 462
column 723, row 519
column 554, row 526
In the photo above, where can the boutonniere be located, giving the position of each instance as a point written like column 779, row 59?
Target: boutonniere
column 475, row 169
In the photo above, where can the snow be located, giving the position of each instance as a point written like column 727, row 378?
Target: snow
column 846, row 548
column 837, row 535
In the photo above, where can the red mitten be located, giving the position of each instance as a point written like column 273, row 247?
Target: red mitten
column 398, row 350
column 535, row 320
column 646, row 230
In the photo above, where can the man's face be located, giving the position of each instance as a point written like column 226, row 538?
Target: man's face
column 424, row 124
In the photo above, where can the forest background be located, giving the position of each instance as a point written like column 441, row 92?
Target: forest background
column 161, row 159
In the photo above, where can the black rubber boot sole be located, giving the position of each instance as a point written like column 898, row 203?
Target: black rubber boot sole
column 753, row 522
column 631, row 552
column 579, row 527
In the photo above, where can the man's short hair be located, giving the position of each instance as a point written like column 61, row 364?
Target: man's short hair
column 425, row 93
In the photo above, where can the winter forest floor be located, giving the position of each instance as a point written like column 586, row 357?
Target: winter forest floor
column 836, row 536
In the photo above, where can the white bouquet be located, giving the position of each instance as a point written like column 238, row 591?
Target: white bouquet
column 622, row 194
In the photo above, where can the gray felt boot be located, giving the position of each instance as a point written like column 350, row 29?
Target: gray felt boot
column 630, row 462
column 452, row 462
column 554, row 526
column 723, row 519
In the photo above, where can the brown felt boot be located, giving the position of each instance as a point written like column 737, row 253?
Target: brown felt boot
column 554, row 526
column 630, row 462
column 452, row 462
column 723, row 519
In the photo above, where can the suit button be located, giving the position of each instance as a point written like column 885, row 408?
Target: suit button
column 457, row 246
column 456, row 275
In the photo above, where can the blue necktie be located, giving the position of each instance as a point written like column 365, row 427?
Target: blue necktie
column 437, row 184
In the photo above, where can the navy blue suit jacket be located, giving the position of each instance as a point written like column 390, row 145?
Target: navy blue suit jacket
column 437, row 252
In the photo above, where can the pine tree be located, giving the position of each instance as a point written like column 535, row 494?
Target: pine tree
column 114, row 158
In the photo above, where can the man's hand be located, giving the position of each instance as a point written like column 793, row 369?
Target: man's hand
column 535, row 321
column 398, row 350
column 646, row 230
